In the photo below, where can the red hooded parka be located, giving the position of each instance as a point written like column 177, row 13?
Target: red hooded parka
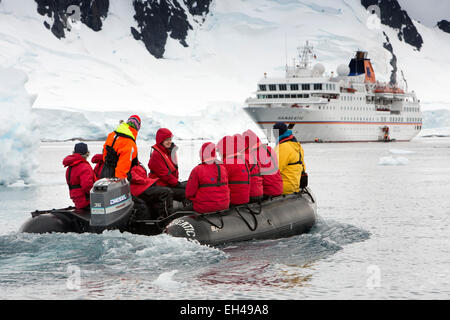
column 272, row 183
column 252, row 144
column 80, row 177
column 98, row 160
column 238, row 174
column 139, row 180
column 163, row 163
column 207, row 186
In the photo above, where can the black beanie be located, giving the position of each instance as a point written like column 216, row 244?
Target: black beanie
column 281, row 126
column 81, row 148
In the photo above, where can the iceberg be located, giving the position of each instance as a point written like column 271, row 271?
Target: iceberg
column 19, row 132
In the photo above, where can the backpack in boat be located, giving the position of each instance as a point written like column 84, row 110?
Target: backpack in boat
column 303, row 180
column 304, row 175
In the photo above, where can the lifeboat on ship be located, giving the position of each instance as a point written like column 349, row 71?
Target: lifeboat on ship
column 350, row 90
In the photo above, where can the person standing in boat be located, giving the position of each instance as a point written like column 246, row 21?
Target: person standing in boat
column 120, row 150
column 79, row 176
column 207, row 186
column 163, row 164
column 291, row 158
column 272, row 182
column 229, row 148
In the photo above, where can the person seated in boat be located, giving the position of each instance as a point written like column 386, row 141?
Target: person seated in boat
column 251, row 145
column 120, row 149
column 272, row 183
column 98, row 161
column 237, row 170
column 163, row 164
column 291, row 158
column 207, row 186
column 79, row 176
column 158, row 198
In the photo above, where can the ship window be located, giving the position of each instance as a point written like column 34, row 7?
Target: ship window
column 275, row 96
column 282, row 87
column 262, row 87
column 269, row 96
column 272, row 87
column 294, row 87
column 317, row 86
column 305, row 86
column 306, row 96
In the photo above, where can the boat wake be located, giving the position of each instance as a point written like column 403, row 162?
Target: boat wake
column 124, row 265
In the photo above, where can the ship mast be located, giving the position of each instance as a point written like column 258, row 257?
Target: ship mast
column 305, row 54
column 302, row 69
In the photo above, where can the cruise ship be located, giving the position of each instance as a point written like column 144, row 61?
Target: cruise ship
column 351, row 106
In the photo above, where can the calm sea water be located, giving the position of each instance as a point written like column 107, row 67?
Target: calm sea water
column 383, row 233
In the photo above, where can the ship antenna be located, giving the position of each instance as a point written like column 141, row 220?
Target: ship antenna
column 285, row 51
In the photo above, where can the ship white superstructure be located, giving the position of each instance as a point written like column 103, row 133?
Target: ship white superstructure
column 350, row 106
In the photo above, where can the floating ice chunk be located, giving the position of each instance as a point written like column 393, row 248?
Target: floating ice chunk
column 400, row 151
column 165, row 281
column 393, row 161
column 435, row 132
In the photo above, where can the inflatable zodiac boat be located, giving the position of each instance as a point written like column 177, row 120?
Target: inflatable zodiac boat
column 113, row 207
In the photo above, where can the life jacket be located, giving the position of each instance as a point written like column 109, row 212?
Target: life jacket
column 139, row 181
column 238, row 180
column 115, row 155
column 207, row 186
column 254, row 169
column 167, row 160
column 162, row 166
column 272, row 180
column 79, row 178
column 208, row 191
column 291, row 164
column 220, row 182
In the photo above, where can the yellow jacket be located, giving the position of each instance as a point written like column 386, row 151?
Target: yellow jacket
column 291, row 164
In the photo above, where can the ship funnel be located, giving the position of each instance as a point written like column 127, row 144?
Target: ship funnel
column 361, row 65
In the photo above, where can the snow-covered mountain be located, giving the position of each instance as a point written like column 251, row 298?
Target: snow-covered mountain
column 182, row 55
column 190, row 64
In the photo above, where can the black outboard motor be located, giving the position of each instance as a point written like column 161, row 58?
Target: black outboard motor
column 111, row 204
column 112, row 207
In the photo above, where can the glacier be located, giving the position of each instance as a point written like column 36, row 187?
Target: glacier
column 212, row 123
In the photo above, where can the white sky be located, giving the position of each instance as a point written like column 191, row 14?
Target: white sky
column 428, row 12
